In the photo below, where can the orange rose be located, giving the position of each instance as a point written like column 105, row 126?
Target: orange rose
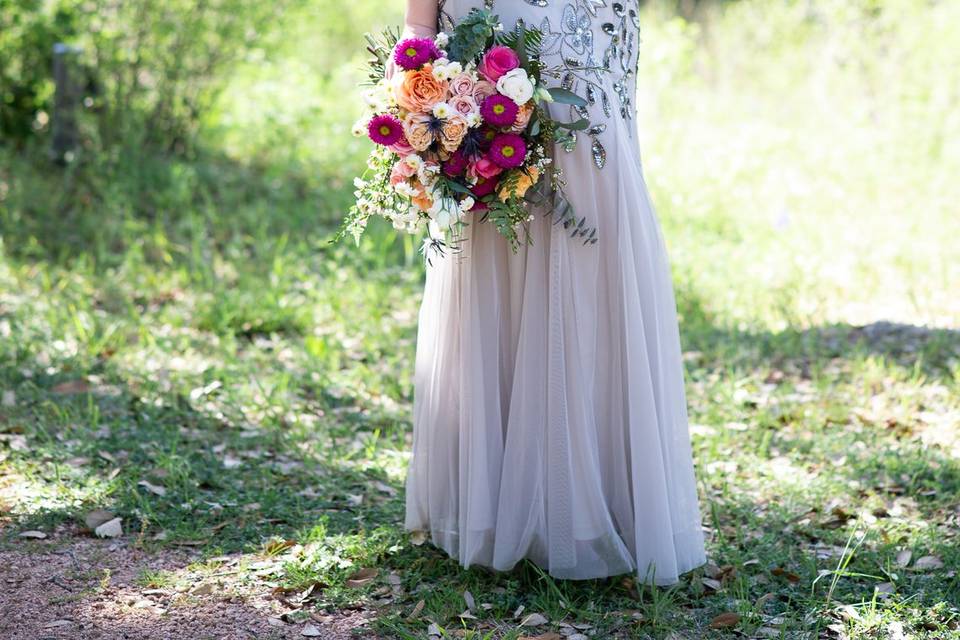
column 452, row 131
column 523, row 118
column 419, row 90
column 422, row 200
column 525, row 180
column 416, row 127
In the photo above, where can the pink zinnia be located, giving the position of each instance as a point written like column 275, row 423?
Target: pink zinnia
column 508, row 150
column 413, row 53
column 385, row 129
column 500, row 111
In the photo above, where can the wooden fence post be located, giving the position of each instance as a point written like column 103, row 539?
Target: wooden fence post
column 64, row 117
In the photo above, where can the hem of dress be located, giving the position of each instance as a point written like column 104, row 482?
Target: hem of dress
column 698, row 560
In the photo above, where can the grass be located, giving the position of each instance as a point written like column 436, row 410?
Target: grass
column 201, row 337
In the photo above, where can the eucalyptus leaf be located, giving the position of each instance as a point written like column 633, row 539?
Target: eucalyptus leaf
column 576, row 125
column 564, row 96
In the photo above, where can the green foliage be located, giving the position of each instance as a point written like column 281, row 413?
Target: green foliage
column 471, row 35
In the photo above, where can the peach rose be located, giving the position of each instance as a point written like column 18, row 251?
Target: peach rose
column 464, row 105
column 452, row 132
column 462, row 85
column 419, row 90
column 483, row 90
column 526, row 180
column 422, row 200
column 416, row 128
column 523, row 118
column 401, row 172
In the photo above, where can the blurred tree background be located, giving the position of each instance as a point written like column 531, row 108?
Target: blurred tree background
column 170, row 305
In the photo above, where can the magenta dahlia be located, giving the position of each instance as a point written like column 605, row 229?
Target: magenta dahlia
column 499, row 110
column 508, row 150
column 385, row 129
column 413, row 53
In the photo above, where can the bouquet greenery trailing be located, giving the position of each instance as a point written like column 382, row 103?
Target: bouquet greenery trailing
column 462, row 134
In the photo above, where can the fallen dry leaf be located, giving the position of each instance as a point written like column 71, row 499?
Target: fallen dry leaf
column 311, row 631
column 548, row 636
column 416, row 609
column 36, row 535
column 468, row 598
column 886, row 587
column 72, row 386
column 361, row 578
column 57, row 623
column 9, row 398
column 97, row 517
column 110, row 529
column 927, row 563
column 533, row 620
column 153, row 488
column 904, row 557
column 725, row 620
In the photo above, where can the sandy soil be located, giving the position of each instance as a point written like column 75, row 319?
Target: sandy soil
column 88, row 589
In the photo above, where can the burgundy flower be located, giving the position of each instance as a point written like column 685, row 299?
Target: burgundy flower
column 385, row 129
column 508, row 150
column 484, row 186
column 499, row 110
column 456, row 164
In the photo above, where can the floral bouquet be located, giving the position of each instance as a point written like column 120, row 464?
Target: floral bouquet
column 462, row 134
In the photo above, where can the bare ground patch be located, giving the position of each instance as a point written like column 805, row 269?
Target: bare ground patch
column 89, row 589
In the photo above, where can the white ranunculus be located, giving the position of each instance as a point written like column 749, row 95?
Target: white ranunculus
column 516, row 85
column 467, row 203
column 442, row 40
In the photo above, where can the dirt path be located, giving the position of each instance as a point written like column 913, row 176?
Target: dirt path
column 89, row 589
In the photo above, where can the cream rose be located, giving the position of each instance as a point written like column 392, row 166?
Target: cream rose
column 516, row 86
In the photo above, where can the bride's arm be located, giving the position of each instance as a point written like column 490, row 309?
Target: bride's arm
column 421, row 20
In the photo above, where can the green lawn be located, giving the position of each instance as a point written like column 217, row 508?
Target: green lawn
column 194, row 356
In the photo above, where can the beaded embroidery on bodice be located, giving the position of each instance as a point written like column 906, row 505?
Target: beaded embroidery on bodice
column 591, row 48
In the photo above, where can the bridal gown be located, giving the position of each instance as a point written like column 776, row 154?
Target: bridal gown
column 549, row 412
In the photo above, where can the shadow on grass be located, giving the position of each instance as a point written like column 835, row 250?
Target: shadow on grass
column 178, row 471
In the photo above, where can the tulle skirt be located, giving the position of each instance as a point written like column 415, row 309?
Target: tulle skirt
column 549, row 412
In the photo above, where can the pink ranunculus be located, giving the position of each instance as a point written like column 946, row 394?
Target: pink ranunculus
column 484, row 167
column 483, row 90
column 462, row 85
column 497, row 62
column 402, row 148
column 464, row 105
column 401, row 172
